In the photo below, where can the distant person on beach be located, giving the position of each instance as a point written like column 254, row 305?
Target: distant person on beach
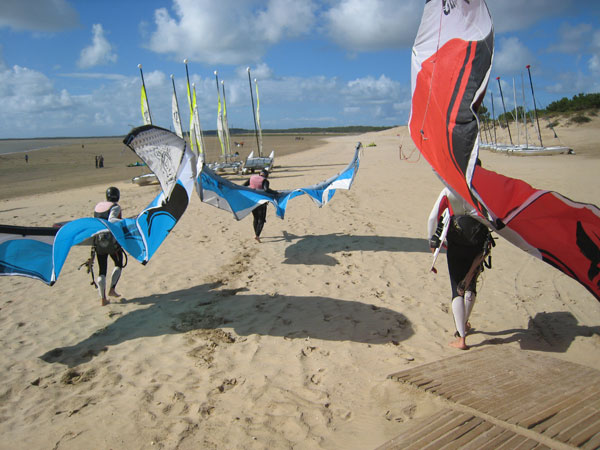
column 260, row 183
column 106, row 245
column 100, row 161
column 26, row 158
column 96, row 161
column 467, row 243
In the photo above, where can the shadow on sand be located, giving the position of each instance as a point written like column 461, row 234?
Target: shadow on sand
column 311, row 250
column 206, row 308
column 546, row 332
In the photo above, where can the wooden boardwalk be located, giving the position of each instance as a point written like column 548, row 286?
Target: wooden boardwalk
column 499, row 397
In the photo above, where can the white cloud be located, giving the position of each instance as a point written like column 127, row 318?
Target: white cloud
column 512, row 56
column 38, row 15
column 594, row 61
column 261, row 72
column 2, row 63
column 228, row 31
column 358, row 25
column 572, row 38
column 99, row 53
column 372, row 90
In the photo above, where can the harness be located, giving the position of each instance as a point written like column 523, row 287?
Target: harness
column 89, row 263
column 478, row 264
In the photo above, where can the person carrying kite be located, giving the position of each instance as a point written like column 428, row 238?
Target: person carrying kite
column 468, row 242
column 260, row 183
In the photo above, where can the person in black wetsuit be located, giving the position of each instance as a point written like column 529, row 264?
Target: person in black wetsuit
column 260, row 183
column 467, row 242
column 106, row 245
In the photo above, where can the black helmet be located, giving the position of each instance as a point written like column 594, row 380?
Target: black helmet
column 113, row 194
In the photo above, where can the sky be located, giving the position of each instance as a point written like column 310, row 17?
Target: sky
column 70, row 67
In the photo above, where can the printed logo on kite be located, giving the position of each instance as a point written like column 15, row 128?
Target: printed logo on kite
column 448, row 5
column 590, row 250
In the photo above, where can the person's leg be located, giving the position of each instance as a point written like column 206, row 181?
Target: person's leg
column 102, row 267
column 255, row 221
column 470, row 298
column 458, row 266
column 260, row 214
column 262, row 218
column 459, row 313
column 116, row 274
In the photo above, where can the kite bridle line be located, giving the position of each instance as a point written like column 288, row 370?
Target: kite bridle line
column 408, row 157
column 431, row 84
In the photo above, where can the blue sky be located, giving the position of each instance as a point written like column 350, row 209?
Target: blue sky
column 69, row 67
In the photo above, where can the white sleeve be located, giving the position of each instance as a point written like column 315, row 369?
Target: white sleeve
column 433, row 219
column 115, row 214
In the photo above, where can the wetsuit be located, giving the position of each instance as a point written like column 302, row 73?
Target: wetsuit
column 259, row 213
column 112, row 212
column 465, row 242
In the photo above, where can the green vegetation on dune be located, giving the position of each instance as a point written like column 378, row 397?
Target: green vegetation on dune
column 576, row 110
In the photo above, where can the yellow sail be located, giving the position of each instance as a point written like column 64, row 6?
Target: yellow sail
column 145, row 108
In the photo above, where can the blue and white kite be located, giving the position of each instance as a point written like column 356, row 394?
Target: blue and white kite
column 241, row 200
column 40, row 252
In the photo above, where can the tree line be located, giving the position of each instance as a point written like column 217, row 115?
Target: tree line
column 577, row 104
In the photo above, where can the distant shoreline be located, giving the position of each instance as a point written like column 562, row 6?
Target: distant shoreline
column 7, row 145
column 14, row 146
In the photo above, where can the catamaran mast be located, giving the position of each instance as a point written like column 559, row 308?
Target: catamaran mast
column 494, row 119
column 524, row 112
column 516, row 114
column 504, row 107
column 535, row 106
column 253, row 112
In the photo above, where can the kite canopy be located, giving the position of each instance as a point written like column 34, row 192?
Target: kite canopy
column 41, row 252
column 241, row 200
column 451, row 63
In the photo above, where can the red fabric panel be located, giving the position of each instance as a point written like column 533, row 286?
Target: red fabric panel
column 500, row 194
column 566, row 233
column 430, row 108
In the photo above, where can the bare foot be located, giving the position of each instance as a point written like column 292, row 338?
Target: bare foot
column 257, row 239
column 113, row 293
column 460, row 344
column 104, row 302
column 467, row 326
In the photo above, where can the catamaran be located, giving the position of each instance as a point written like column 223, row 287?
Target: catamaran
column 259, row 162
column 490, row 143
column 228, row 160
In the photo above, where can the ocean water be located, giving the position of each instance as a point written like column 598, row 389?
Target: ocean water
column 27, row 145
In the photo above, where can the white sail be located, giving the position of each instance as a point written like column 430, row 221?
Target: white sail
column 175, row 112
column 227, row 145
column 219, row 117
column 198, row 137
column 260, row 143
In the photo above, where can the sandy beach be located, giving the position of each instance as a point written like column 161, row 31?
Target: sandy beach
column 223, row 343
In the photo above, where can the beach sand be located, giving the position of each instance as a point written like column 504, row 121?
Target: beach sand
column 221, row 342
